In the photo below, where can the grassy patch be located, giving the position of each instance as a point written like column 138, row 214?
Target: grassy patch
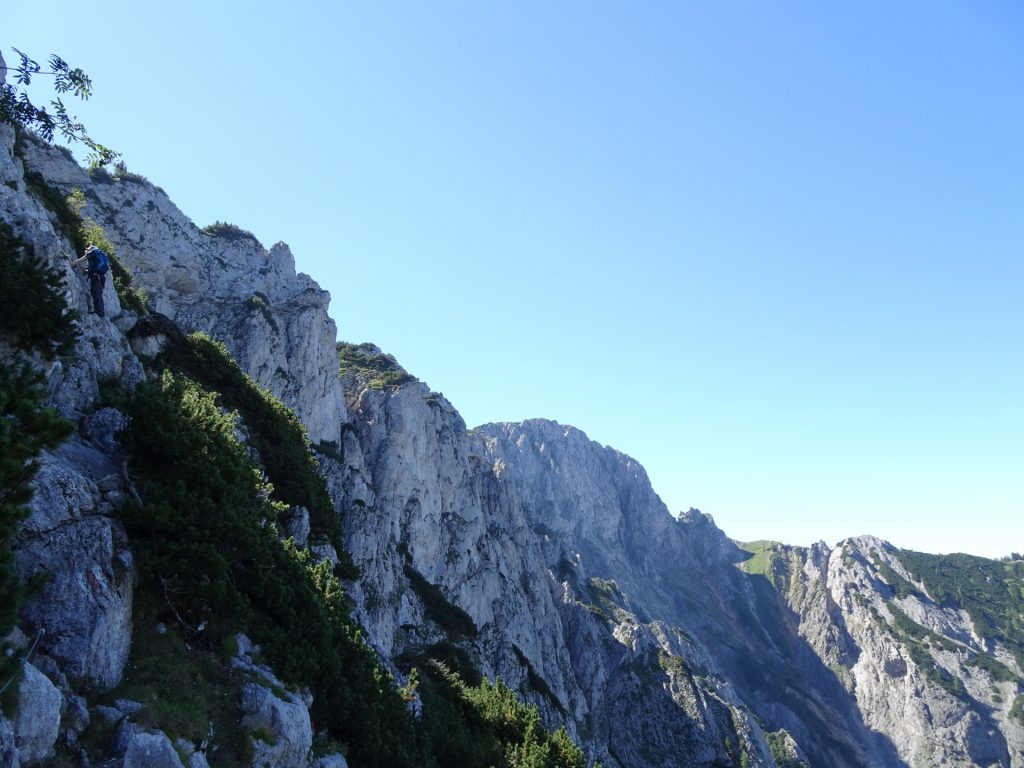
column 187, row 692
column 999, row 671
column 778, row 744
column 767, row 558
column 1017, row 710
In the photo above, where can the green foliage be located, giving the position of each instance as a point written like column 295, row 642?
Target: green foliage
column 451, row 656
column 26, row 428
column 777, row 744
column 187, row 691
column 999, row 671
column 902, row 587
column 486, row 725
column 211, row 563
column 274, row 430
column 674, row 666
column 230, row 232
column 917, row 640
column 261, row 303
column 16, row 106
column 452, row 619
column 35, row 315
column 608, row 601
column 208, row 549
column 36, row 319
column 767, row 559
column 992, row 592
column 369, row 364
column 1017, row 710
column 83, row 231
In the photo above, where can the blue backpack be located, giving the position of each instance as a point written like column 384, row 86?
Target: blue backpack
column 98, row 261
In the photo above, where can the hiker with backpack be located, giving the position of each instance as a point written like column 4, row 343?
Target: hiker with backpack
column 97, row 267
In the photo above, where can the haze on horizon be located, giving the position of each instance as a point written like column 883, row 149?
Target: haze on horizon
column 772, row 253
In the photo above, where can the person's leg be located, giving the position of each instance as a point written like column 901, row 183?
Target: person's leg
column 96, row 283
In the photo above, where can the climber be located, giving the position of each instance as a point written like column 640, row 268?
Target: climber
column 97, row 267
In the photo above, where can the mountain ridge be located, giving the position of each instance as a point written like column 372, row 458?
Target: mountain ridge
column 543, row 557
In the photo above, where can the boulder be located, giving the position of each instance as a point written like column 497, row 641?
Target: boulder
column 280, row 727
column 151, row 750
column 38, row 720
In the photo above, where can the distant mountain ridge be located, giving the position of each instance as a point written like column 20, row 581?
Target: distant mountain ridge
column 525, row 551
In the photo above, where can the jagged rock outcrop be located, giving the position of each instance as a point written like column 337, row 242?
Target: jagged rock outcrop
column 433, row 509
column 82, row 612
column 419, row 486
column 910, row 662
column 280, row 727
column 273, row 320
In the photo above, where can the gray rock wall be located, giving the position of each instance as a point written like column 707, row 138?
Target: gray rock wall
column 273, row 320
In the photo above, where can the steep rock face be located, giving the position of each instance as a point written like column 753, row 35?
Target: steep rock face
column 605, row 529
column 424, row 496
column 76, row 618
column 83, row 610
column 418, row 498
column 273, row 320
column 918, row 669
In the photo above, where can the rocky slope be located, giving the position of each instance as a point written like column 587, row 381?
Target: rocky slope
column 545, row 558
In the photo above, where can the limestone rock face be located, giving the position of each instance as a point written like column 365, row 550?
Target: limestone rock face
column 280, row 727
column 273, row 320
column 38, row 720
column 909, row 662
column 419, row 497
column 508, row 533
column 83, row 610
column 151, row 750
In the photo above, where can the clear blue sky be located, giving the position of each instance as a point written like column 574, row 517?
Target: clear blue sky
column 771, row 250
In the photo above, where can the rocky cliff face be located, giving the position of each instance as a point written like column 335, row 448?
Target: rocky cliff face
column 546, row 558
column 916, row 663
column 274, row 321
column 76, row 624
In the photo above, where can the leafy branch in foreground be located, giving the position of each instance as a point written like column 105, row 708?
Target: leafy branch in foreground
column 16, row 106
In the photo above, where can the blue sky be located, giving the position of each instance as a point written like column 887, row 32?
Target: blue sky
column 772, row 251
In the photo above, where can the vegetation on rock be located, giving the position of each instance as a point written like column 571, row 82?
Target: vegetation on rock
column 274, row 429
column 27, row 426
column 35, row 314
column 367, row 362
column 991, row 591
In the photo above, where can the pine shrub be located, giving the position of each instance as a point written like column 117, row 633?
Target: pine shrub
column 274, row 430
column 33, row 312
